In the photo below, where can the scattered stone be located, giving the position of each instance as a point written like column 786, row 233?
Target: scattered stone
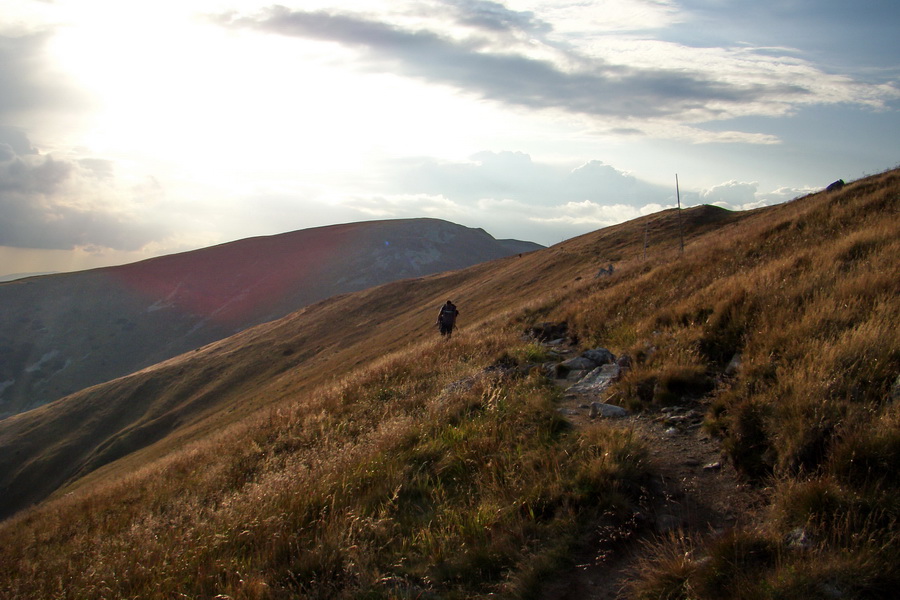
column 734, row 365
column 597, row 380
column 671, row 431
column 600, row 356
column 599, row 409
column 579, row 363
column 713, row 466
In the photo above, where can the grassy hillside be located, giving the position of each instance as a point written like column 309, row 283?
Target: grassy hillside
column 65, row 332
column 345, row 452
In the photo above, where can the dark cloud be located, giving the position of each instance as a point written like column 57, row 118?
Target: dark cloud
column 16, row 140
column 55, row 204
column 472, row 64
column 495, row 17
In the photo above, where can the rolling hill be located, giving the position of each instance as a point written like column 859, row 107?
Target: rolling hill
column 65, row 332
column 345, row 450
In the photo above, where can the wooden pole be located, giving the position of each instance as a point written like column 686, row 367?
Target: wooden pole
column 646, row 236
column 680, row 227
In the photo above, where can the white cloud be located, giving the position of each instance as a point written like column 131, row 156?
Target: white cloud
column 53, row 203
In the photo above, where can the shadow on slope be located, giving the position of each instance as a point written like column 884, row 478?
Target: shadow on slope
column 62, row 333
column 159, row 408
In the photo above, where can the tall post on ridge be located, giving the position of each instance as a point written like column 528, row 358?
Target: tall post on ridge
column 646, row 236
column 680, row 227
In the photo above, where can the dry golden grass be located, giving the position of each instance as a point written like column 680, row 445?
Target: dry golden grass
column 415, row 473
column 360, row 459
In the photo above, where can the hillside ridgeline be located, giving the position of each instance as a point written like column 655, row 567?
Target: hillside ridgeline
column 332, row 455
column 62, row 333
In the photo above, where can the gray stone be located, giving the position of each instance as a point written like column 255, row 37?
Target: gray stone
column 610, row 411
column 597, row 380
column 579, row 363
column 600, row 356
column 734, row 365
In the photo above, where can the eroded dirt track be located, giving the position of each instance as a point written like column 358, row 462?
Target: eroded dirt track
column 693, row 493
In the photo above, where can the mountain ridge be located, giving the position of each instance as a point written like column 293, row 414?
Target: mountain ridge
column 122, row 416
column 348, row 450
column 63, row 332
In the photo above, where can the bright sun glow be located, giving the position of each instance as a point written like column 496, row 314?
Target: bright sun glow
column 237, row 103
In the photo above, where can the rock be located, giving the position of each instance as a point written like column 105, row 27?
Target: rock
column 579, row 363
column 597, row 380
column 600, row 356
column 713, row 466
column 734, row 365
column 624, row 362
column 548, row 331
column 610, row 411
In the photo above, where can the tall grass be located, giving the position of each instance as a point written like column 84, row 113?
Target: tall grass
column 418, row 474
column 431, row 473
column 808, row 298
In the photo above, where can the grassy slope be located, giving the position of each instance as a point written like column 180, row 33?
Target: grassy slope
column 337, row 455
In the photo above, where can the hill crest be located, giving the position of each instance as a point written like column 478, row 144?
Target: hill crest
column 61, row 333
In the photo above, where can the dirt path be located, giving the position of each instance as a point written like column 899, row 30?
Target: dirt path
column 695, row 492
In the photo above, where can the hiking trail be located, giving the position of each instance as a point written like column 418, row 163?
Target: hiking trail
column 694, row 492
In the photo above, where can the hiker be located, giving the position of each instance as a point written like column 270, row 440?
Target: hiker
column 447, row 318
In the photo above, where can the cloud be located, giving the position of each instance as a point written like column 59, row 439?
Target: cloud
column 739, row 195
column 731, row 193
column 630, row 83
column 508, row 194
column 515, row 176
column 405, row 206
column 28, row 83
column 495, row 17
column 57, row 204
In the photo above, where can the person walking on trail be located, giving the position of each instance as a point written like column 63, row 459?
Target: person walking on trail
column 447, row 318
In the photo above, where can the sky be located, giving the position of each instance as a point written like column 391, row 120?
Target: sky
column 130, row 130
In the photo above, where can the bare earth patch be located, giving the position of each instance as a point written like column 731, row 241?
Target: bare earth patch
column 694, row 493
